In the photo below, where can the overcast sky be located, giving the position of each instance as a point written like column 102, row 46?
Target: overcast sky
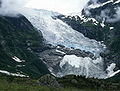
column 61, row 6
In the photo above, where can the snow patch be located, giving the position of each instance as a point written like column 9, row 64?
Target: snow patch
column 20, row 66
column 17, row 59
column 60, row 52
column 110, row 70
column 102, row 24
column 111, row 28
column 12, row 74
column 113, row 74
column 118, row 1
column 88, row 19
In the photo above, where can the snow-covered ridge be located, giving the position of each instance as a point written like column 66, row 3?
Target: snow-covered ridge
column 84, row 19
column 118, row 1
column 97, row 5
column 57, row 32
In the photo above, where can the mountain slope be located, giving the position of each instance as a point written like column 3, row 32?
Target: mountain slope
column 72, row 45
column 19, row 42
column 108, row 13
column 100, row 21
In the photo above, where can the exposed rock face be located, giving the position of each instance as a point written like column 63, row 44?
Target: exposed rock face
column 54, row 57
column 107, row 12
column 88, row 27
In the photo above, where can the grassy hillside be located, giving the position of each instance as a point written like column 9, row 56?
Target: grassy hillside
column 68, row 83
column 8, row 83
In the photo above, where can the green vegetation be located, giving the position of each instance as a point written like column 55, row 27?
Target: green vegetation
column 19, row 38
column 67, row 83
column 88, row 29
column 112, row 84
column 8, row 83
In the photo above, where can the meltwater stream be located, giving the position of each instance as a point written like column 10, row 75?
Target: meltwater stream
column 57, row 32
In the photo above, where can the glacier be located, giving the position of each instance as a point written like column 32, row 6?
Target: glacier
column 56, row 32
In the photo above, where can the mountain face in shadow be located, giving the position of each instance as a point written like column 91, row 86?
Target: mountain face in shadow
column 20, row 40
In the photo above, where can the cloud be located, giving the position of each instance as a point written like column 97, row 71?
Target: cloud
column 94, row 1
column 116, row 17
column 106, row 14
column 110, row 17
column 61, row 6
column 12, row 7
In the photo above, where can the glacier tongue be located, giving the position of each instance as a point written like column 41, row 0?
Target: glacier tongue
column 82, row 66
column 57, row 32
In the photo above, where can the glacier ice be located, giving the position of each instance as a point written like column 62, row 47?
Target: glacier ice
column 84, row 66
column 57, row 32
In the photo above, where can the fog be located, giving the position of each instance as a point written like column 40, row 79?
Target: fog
column 61, row 6
column 12, row 7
